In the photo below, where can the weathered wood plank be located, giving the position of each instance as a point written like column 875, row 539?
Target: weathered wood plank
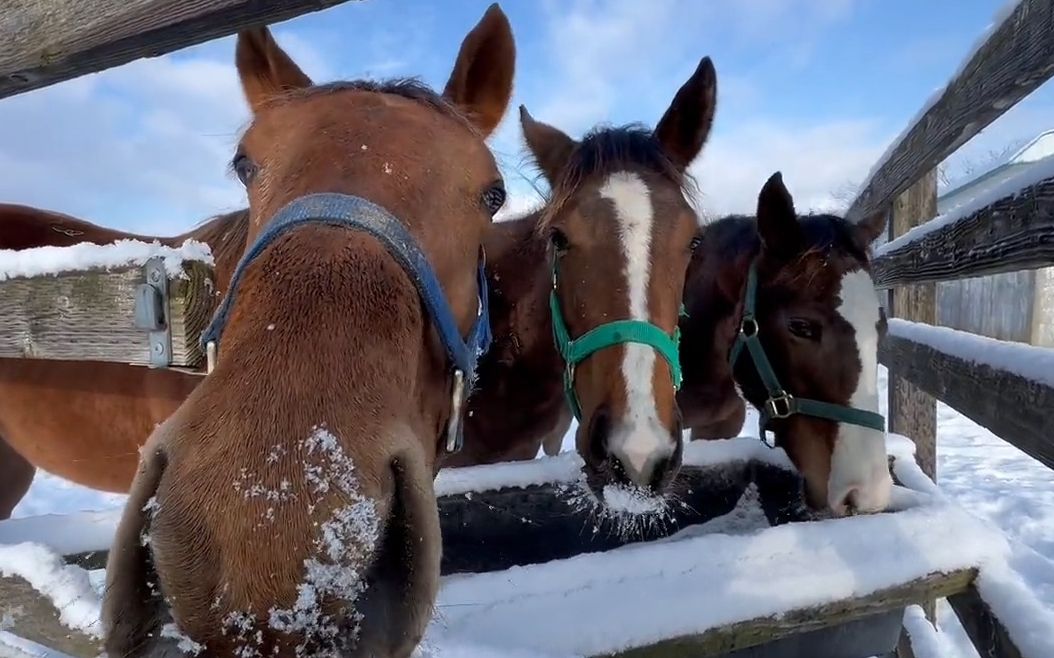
column 47, row 41
column 89, row 316
column 35, row 618
column 1014, row 408
column 986, row 633
column 1016, row 59
column 1014, row 233
column 912, row 412
column 754, row 632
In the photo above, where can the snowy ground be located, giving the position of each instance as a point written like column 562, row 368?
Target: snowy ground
column 982, row 473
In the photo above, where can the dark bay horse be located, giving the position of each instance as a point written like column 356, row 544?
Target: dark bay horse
column 585, row 296
column 286, row 507
column 800, row 290
column 85, row 421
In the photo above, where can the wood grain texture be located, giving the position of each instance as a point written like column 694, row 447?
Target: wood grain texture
column 89, row 316
column 1016, row 59
column 37, row 619
column 1016, row 409
column 987, row 634
column 43, row 42
column 754, row 632
column 1014, row 233
column 913, row 412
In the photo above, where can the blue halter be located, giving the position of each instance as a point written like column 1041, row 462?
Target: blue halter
column 358, row 214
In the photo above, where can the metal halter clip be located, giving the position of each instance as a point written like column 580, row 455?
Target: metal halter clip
column 780, row 405
column 748, row 327
column 210, row 356
column 457, row 399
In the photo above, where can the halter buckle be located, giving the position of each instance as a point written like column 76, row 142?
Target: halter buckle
column 454, row 436
column 748, row 327
column 780, row 405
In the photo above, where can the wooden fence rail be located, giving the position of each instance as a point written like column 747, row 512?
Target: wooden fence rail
column 1015, row 408
column 1016, row 59
column 43, row 42
column 1014, row 233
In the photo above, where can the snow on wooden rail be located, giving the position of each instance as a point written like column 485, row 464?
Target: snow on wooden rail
column 43, row 42
column 1013, row 59
column 126, row 302
column 1006, row 387
column 1007, row 230
column 728, row 584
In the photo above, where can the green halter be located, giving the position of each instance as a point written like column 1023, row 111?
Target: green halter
column 780, row 403
column 574, row 351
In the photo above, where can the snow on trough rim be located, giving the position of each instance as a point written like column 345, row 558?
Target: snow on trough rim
column 66, row 586
column 699, row 582
column 50, row 261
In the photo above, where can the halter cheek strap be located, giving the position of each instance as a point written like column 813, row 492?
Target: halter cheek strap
column 574, row 351
column 780, row 403
column 358, row 214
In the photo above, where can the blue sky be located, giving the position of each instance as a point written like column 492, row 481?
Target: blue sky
column 815, row 88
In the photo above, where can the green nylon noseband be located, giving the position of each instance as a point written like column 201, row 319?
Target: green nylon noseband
column 780, row 403
column 610, row 334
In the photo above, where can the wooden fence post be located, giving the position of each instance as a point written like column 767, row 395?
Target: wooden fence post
column 912, row 412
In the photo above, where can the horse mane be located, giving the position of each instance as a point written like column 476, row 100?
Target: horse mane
column 606, row 150
column 735, row 235
column 409, row 88
column 226, row 235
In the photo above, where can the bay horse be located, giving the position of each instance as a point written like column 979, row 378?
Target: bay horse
column 784, row 307
column 84, row 421
column 585, row 296
column 286, row 507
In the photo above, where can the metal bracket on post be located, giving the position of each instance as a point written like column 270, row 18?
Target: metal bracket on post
column 151, row 312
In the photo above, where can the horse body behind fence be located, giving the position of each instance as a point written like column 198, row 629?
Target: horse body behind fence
column 85, row 421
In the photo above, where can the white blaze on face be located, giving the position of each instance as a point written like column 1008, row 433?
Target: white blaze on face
column 859, row 467
column 638, row 439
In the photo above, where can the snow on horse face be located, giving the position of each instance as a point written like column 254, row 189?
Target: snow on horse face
column 605, row 262
column 286, row 508
column 818, row 322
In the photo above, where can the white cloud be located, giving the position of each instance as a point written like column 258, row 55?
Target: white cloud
column 141, row 147
column 817, row 162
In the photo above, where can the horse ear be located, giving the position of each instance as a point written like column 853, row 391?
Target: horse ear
column 264, row 68
column 777, row 221
column 684, row 127
column 869, row 228
column 550, row 146
column 481, row 82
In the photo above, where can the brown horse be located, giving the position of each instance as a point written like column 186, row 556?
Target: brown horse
column 612, row 244
column 286, row 507
column 85, row 421
column 818, row 322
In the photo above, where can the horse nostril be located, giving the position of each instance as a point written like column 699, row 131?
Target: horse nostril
column 659, row 474
column 599, row 430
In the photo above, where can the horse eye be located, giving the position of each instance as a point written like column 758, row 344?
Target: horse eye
column 494, row 198
column 244, row 168
column 559, row 240
column 806, row 329
column 696, row 241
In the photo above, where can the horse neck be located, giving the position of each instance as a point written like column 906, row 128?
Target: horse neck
column 713, row 297
column 520, row 282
